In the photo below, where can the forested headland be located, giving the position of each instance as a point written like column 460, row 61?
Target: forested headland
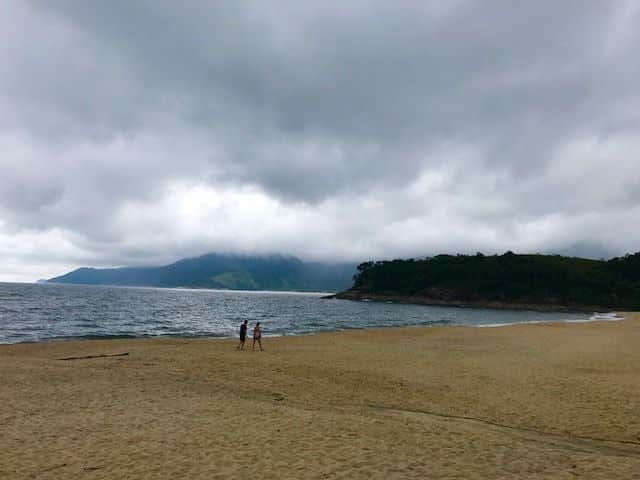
column 540, row 282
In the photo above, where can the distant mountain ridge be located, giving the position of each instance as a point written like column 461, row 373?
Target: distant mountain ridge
column 234, row 272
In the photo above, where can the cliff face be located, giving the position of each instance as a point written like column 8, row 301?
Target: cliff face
column 532, row 282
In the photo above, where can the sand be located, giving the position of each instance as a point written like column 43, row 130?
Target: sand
column 524, row 401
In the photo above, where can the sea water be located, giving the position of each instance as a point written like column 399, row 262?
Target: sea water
column 44, row 312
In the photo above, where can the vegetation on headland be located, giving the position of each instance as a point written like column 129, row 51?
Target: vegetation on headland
column 542, row 282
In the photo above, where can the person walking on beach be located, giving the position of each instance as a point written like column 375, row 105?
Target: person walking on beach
column 257, row 335
column 243, row 335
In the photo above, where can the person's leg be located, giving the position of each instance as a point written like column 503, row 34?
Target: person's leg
column 253, row 346
column 260, row 343
column 242, row 345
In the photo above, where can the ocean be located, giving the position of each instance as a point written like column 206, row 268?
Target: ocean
column 47, row 312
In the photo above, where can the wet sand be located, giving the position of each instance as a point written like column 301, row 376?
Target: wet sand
column 524, row 401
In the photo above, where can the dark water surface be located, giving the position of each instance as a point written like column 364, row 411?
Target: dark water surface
column 41, row 312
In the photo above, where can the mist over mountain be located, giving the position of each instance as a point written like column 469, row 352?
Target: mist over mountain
column 234, row 272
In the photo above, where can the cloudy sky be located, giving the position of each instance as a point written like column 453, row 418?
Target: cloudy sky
column 140, row 132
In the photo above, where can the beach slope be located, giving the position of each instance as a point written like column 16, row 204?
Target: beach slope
column 525, row 401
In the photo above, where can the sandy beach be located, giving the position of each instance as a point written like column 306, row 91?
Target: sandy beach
column 523, row 401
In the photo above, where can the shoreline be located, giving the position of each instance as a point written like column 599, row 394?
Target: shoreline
column 550, row 400
column 617, row 316
column 181, row 288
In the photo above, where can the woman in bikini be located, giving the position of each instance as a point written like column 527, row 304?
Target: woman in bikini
column 257, row 335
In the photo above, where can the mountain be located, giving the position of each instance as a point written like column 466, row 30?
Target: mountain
column 537, row 282
column 235, row 272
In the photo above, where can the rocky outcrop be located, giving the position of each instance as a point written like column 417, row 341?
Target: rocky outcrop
column 449, row 300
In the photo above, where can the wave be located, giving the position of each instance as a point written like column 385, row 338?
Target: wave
column 611, row 316
column 597, row 316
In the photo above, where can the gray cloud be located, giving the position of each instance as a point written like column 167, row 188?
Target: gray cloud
column 366, row 129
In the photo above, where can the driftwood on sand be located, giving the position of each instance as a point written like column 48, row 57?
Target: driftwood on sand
column 96, row 356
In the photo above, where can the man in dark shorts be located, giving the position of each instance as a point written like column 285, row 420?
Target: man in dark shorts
column 243, row 335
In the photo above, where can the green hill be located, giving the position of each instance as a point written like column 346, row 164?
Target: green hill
column 234, row 272
column 542, row 282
